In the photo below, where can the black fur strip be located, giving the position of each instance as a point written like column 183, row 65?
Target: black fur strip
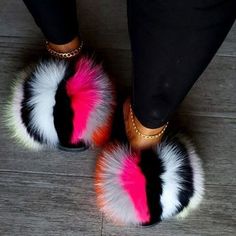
column 186, row 172
column 26, row 109
column 152, row 168
column 62, row 112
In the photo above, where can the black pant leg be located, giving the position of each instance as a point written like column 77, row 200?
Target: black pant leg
column 172, row 43
column 57, row 19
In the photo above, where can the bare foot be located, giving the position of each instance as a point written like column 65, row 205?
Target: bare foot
column 137, row 141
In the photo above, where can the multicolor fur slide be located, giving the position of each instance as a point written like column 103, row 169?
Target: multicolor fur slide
column 59, row 103
column 146, row 187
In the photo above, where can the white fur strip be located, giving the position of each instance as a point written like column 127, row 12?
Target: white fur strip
column 198, row 179
column 171, row 179
column 43, row 86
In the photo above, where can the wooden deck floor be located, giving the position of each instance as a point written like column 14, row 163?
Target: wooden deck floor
column 51, row 192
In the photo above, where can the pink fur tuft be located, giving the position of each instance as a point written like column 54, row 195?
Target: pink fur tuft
column 134, row 183
column 84, row 95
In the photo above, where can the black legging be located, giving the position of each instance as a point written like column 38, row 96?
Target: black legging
column 172, row 43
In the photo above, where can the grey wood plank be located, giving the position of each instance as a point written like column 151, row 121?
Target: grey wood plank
column 216, row 150
column 214, row 92
column 212, row 95
column 215, row 216
column 15, row 20
column 103, row 24
column 34, row 204
column 14, row 157
column 229, row 46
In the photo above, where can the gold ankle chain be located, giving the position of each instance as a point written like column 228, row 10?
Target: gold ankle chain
column 64, row 55
column 143, row 135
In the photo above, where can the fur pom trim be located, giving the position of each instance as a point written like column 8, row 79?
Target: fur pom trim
column 57, row 102
column 30, row 111
column 92, row 98
column 151, row 186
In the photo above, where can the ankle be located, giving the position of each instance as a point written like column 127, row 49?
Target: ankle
column 66, row 51
column 139, row 136
column 147, row 131
column 67, row 47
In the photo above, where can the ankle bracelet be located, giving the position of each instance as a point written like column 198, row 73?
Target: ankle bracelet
column 158, row 135
column 64, row 55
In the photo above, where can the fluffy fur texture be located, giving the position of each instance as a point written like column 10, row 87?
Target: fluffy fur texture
column 174, row 176
column 133, row 182
column 30, row 115
column 122, row 186
column 13, row 118
column 43, row 86
column 90, row 92
column 112, row 198
column 42, row 82
column 198, row 178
